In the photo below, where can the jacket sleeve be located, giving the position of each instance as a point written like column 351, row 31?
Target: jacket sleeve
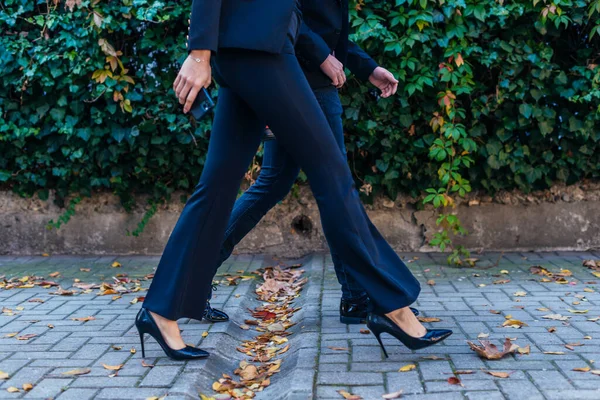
column 204, row 25
column 359, row 62
column 311, row 49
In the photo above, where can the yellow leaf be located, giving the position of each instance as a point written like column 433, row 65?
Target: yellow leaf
column 204, row 334
column 504, row 271
column 596, row 274
column 3, row 375
column 584, row 369
column 408, row 367
column 514, row 323
column 520, row 294
column 82, row 371
column 12, row 389
column 556, row 353
column 577, row 311
column 113, row 367
column 116, row 264
column 459, row 60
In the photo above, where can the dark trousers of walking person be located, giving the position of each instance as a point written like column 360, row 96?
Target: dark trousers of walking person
column 277, row 175
column 259, row 89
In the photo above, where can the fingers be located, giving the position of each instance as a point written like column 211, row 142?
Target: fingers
column 190, row 98
column 176, row 83
column 183, row 94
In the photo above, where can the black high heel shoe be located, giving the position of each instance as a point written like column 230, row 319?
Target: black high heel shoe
column 214, row 315
column 146, row 324
column 380, row 323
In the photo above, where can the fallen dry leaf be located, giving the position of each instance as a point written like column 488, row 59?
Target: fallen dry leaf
column 520, row 294
column 395, row 395
column 408, row 367
column 524, row 350
column 81, row 371
column 455, row 381
column 464, row 372
column 54, row 274
column 147, row 365
column 584, row 369
column 494, row 312
column 577, row 311
column 12, row 389
column 431, row 282
column 595, row 372
column 338, row 348
column 483, row 335
column 432, row 357
column 497, row 374
column 365, row 331
column 349, row 396
column 489, row 351
column 113, row 367
column 205, row 334
column 3, row 375
column 428, row 319
column 84, row 319
column 116, row 264
column 556, row 353
column 514, row 323
column 27, row 337
column 556, row 317
column 27, row 387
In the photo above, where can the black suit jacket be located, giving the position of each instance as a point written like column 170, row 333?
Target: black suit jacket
column 325, row 30
column 242, row 24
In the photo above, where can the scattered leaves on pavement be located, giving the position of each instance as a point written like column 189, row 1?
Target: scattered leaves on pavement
column 497, row 374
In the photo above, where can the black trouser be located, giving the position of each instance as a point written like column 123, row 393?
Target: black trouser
column 259, row 89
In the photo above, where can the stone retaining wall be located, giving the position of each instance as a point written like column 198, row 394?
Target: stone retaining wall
column 562, row 218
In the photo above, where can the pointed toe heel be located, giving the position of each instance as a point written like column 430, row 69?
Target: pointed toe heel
column 146, row 324
column 379, row 324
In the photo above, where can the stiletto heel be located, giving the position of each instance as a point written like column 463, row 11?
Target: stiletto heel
column 142, row 342
column 146, row 324
column 378, row 336
column 379, row 324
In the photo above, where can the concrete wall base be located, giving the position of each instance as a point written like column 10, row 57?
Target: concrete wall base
column 562, row 218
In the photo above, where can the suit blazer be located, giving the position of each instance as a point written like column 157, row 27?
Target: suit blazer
column 242, row 24
column 324, row 30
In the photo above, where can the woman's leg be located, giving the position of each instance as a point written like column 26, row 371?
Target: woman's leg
column 276, row 89
column 277, row 175
column 329, row 100
column 183, row 277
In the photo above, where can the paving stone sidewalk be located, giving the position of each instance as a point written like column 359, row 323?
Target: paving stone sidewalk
column 461, row 297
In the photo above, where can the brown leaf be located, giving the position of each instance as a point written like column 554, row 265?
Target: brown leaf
column 455, row 381
column 489, row 351
column 494, row 312
column 81, row 371
column 498, row 374
column 433, row 357
column 249, row 372
column 113, row 367
column 365, row 331
column 428, row 319
column 54, row 274
column 27, row 337
column 551, row 329
column 349, row 396
column 524, row 350
column 36, row 300
column 556, row 353
column 147, row 365
column 431, row 282
column 84, row 319
column 464, row 372
column 27, row 387
column 338, row 348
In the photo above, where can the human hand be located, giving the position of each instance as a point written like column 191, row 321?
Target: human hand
column 384, row 80
column 192, row 77
column 334, row 69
